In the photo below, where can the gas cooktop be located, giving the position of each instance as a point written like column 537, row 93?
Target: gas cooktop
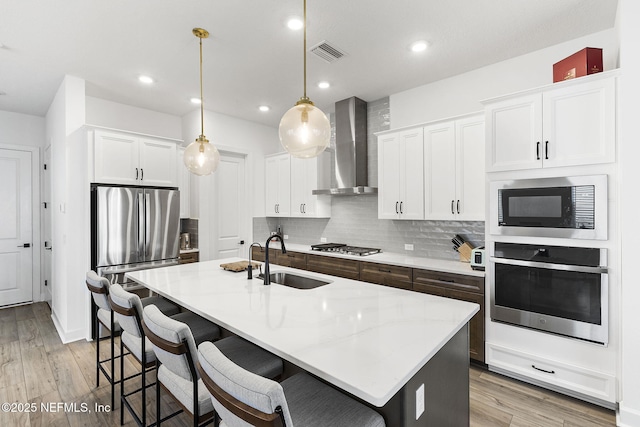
column 345, row 249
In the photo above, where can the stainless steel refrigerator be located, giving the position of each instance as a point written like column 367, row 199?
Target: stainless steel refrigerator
column 133, row 228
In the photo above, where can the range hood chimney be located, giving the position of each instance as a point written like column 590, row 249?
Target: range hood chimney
column 351, row 150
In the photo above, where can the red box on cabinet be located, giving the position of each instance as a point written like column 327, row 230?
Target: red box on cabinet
column 582, row 63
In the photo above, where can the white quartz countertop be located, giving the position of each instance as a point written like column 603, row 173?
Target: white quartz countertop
column 366, row 339
column 446, row 266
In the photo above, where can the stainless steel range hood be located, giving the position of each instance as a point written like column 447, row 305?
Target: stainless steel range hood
column 350, row 160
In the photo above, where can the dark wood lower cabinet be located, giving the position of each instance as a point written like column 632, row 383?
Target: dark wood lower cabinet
column 291, row 259
column 460, row 287
column 188, row 257
column 388, row 275
column 340, row 267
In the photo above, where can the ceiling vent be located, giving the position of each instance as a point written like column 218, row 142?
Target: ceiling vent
column 327, row 52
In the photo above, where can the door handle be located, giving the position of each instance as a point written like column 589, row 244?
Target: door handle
column 136, row 174
column 25, row 245
column 241, row 242
column 458, row 206
column 396, row 207
column 141, row 174
column 546, row 150
column 400, row 208
column 452, row 211
column 538, row 150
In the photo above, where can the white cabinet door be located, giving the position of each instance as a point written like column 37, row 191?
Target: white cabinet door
column 184, row 184
column 579, row 124
column 157, row 163
column 400, row 175
column 514, row 129
column 470, row 174
column 440, row 171
column 278, row 185
column 116, row 158
column 302, row 173
column 454, row 170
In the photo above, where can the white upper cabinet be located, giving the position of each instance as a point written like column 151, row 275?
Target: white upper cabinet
column 128, row 159
column 184, row 184
column 400, row 175
column 278, row 185
column 569, row 125
column 454, row 169
column 308, row 175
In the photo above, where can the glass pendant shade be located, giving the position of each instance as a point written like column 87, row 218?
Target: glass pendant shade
column 201, row 157
column 304, row 131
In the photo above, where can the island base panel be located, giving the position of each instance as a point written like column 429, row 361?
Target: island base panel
column 446, row 389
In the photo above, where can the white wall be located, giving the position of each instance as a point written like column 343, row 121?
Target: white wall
column 133, row 119
column 69, row 302
column 462, row 94
column 22, row 129
column 629, row 143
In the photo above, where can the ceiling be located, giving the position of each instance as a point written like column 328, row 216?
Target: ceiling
column 252, row 58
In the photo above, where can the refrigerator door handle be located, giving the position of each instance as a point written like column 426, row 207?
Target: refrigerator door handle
column 147, row 224
column 141, row 228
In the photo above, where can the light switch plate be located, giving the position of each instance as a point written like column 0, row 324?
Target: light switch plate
column 408, row 247
column 286, row 237
column 419, row 401
column 323, row 240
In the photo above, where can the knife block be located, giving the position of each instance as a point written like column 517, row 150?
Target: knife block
column 465, row 252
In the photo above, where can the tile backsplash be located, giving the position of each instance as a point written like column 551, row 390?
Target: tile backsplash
column 354, row 219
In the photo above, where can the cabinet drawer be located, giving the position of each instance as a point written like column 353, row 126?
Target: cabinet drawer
column 292, row 259
column 188, row 257
column 537, row 369
column 388, row 275
column 258, row 254
column 347, row 268
column 448, row 280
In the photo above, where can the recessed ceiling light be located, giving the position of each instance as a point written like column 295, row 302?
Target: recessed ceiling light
column 419, row 46
column 195, row 100
column 295, row 23
column 145, row 79
column 264, row 108
column 324, row 85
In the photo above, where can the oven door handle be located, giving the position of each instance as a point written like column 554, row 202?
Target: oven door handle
column 550, row 266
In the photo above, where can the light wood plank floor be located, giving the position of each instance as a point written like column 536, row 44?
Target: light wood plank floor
column 36, row 368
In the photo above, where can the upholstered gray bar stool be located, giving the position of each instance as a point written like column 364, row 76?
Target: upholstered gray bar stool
column 177, row 356
column 99, row 288
column 242, row 398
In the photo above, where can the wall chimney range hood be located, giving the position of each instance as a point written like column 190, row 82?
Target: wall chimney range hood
column 350, row 159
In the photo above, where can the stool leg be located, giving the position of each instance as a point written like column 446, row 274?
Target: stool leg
column 97, row 350
column 144, row 382
column 121, row 382
column 157, row 395
column 113, row 376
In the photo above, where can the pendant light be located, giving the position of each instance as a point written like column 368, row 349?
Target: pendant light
column 304, row 130
column 201, row 157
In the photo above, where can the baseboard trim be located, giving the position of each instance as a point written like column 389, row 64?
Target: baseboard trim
column 67, row 337
column 627, row 417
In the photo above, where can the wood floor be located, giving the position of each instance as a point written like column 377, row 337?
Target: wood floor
column 36, row 368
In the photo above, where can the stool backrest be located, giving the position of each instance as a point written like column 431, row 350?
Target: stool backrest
column 99, row 287
column 241, row 397
column 172, row 341
column 127, row 307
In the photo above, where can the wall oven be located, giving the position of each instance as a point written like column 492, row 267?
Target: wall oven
column 565, row 207
column 563, row 290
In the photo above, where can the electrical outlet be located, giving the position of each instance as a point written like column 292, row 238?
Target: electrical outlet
column 323, row 240
column 286, row 237
column 408, row 247
column 419, row 401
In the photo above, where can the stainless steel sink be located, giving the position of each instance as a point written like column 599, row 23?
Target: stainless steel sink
column 296, row 281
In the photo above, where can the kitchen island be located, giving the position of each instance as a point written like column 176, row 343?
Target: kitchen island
column 403, row 353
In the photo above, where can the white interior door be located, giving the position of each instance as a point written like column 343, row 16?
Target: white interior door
column 16, row 233
column 230, row 211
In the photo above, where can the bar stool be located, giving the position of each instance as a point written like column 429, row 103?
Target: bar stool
column 242, row 398
column 99, row 288
column 176, row 358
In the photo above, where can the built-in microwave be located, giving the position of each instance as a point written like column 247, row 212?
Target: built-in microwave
column 567, row 207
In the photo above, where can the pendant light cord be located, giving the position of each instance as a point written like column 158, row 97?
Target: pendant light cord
column 305, row 48
column 201, row 97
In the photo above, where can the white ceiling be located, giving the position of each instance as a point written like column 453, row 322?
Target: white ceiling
column 251, row 58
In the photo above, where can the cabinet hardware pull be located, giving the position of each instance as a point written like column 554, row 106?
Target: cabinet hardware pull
column 401, row 208
column 546, row 150
column 304, row 208
column 141, row 174
column 396, row 207
column 458, row 206
column 384, row 270
column 538, row 150
column 136, row 174
column 452, row 211
column 447, row 280
column 543, row 370
column 301, row 211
